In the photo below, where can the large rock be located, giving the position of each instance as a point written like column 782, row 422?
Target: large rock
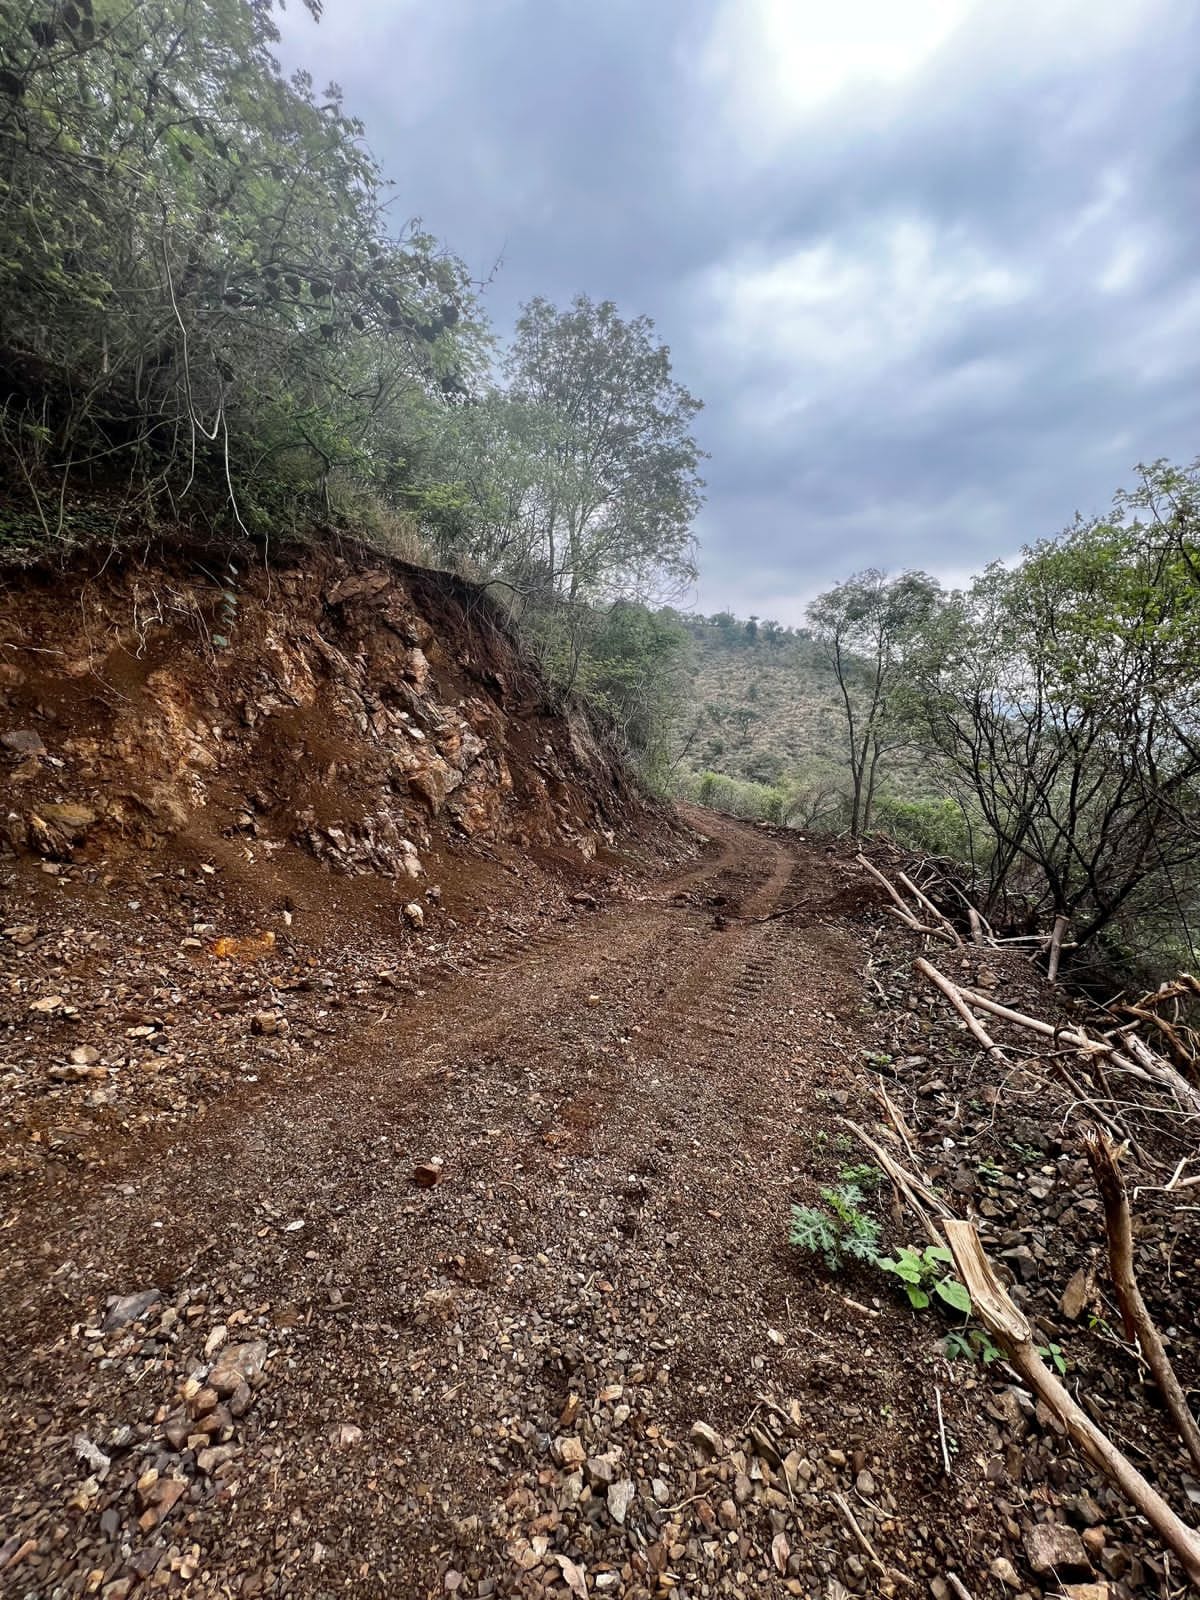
column 1052, row 1547
column 239, row 1364
column 23, row 741
column 126, row 1308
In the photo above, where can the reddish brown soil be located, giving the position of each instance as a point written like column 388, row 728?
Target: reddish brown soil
column 625, row 1109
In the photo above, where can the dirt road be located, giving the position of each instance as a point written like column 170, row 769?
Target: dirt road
column 489, row 1385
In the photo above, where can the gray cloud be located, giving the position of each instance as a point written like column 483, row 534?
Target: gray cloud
column 937, row 290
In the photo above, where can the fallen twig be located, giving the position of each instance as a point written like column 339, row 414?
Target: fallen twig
column 937, row 1394
column 865, row 1545
column 1140, row 1061
column 857, row 1305
column 1008, row 1326
column 938, row 916
column 1139, row 1325
column 896, row 1118
column 920, row 1197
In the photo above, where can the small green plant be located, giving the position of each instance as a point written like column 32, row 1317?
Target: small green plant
column 1101, row 1326
column 923, row 1273
column 1028, row 1154
column 1053, row 1353
column 972, row 1344
column 841, row 1230
column 865, row 1176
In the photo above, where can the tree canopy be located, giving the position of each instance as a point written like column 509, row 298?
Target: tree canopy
column 869, row 626
column 202, row 290
column 210, row 312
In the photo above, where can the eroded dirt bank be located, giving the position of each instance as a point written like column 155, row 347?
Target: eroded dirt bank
column 388, row 1259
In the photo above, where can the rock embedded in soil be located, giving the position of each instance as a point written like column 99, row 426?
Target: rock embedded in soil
column 24, row 741
column 237, row 1366
column 707, row 1438
column 568, row 1451
column 620, row 1497
column 1052, row 1547
column 128, row 1308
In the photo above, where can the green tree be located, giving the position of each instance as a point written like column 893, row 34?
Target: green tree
column 618, row 476
column 203, row 298
column 868, row 627
column 1061, row 695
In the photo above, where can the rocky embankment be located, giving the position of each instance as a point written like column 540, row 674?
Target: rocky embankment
column 235, row 808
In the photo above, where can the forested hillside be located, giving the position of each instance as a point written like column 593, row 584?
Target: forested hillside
column 219, row 332
column 763, row 701
column 1039, row 726
column 762, row 728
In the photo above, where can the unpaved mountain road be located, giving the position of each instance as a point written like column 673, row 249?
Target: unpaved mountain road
column 489, row 1386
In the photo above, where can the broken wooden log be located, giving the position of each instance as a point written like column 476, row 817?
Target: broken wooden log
column 1056, row 946
column 955, row 996
column 904, row 911
column 939, row 917
column 1009, row 1328
column 1139, row 1325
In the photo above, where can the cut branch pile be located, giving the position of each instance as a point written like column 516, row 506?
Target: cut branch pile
column 1008, row 1326
column 1121, row 1048
column 941, row 928
column 1163, row 1083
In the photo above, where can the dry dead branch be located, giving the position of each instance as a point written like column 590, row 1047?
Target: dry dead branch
column 904, row 911
column 1056, row 946
column 1010, row 1329
column 1008, row 1326
column 1118, row 1219
column 921, row 1199
column 1182, row 1041
column 955, row 996
column 865, row 1545
column 1137, row 1059
column 923, row 899
column 896, row 1118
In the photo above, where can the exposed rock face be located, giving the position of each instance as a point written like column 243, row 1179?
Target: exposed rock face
column 356, row 711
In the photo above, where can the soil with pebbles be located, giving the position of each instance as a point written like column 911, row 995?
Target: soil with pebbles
column 492, row 1295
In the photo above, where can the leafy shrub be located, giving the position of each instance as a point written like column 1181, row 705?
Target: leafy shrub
column 934, row 827
column 753, row 802
column 923, row 1273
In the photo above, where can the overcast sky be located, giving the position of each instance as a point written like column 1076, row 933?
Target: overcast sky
column 932, row 265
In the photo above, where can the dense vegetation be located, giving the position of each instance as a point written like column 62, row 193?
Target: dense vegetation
column 212, row 320
column 1042, row 727
column 762, row 729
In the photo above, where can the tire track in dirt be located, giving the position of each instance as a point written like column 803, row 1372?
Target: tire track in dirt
column 581, row 1138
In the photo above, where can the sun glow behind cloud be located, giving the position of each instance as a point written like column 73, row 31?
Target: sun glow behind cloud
column 776, row 61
